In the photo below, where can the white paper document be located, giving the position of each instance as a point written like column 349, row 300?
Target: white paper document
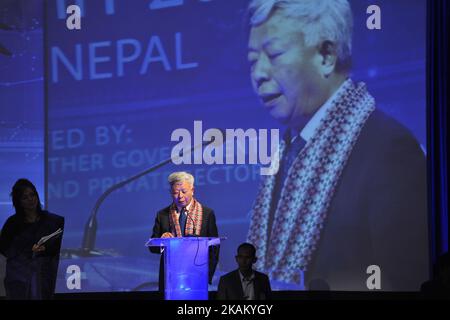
column 46, row 238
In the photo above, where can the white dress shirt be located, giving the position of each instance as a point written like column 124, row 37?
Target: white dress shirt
column 248, row 286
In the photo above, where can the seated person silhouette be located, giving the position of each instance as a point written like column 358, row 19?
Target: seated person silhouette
column 439, row 286
column 244, row 283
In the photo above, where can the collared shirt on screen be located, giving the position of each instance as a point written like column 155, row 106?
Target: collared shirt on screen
column 312, row 125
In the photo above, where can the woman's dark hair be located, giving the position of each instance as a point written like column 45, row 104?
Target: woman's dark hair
column 17, row 192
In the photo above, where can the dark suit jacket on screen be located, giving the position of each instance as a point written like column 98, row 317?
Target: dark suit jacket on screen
column 378, row 214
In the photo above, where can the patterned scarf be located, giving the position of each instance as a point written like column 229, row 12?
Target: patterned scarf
column 195, row 216
column 308, row 189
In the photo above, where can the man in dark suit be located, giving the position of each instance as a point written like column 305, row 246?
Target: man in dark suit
column 244, row 283
column 185, row 217
column 347, row 207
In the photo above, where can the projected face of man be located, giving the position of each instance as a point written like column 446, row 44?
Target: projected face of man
column 287, row 75
column 182, row 193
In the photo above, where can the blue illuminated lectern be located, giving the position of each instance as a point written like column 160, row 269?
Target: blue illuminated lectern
column 185, row 266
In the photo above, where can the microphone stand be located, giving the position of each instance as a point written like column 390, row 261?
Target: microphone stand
column 90, row 230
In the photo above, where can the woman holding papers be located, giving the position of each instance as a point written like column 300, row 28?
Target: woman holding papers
column 30, row 240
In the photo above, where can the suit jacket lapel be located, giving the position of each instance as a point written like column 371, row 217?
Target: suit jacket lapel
column 256, row 287
column 204, row 226
column 237, row 285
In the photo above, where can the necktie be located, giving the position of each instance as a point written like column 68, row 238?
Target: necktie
column 291, row 152
column 182, row 220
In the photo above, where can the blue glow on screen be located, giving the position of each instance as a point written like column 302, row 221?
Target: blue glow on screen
column 135, row 72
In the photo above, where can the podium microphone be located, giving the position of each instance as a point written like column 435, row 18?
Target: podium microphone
column 90, row 230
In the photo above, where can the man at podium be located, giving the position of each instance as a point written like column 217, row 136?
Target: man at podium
column 185, row 217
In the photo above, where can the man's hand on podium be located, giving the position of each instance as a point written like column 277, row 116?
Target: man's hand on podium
column 37, row 248
column 167, row 235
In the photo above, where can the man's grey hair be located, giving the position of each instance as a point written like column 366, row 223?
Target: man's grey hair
column 180, row 176
column 319, row 20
